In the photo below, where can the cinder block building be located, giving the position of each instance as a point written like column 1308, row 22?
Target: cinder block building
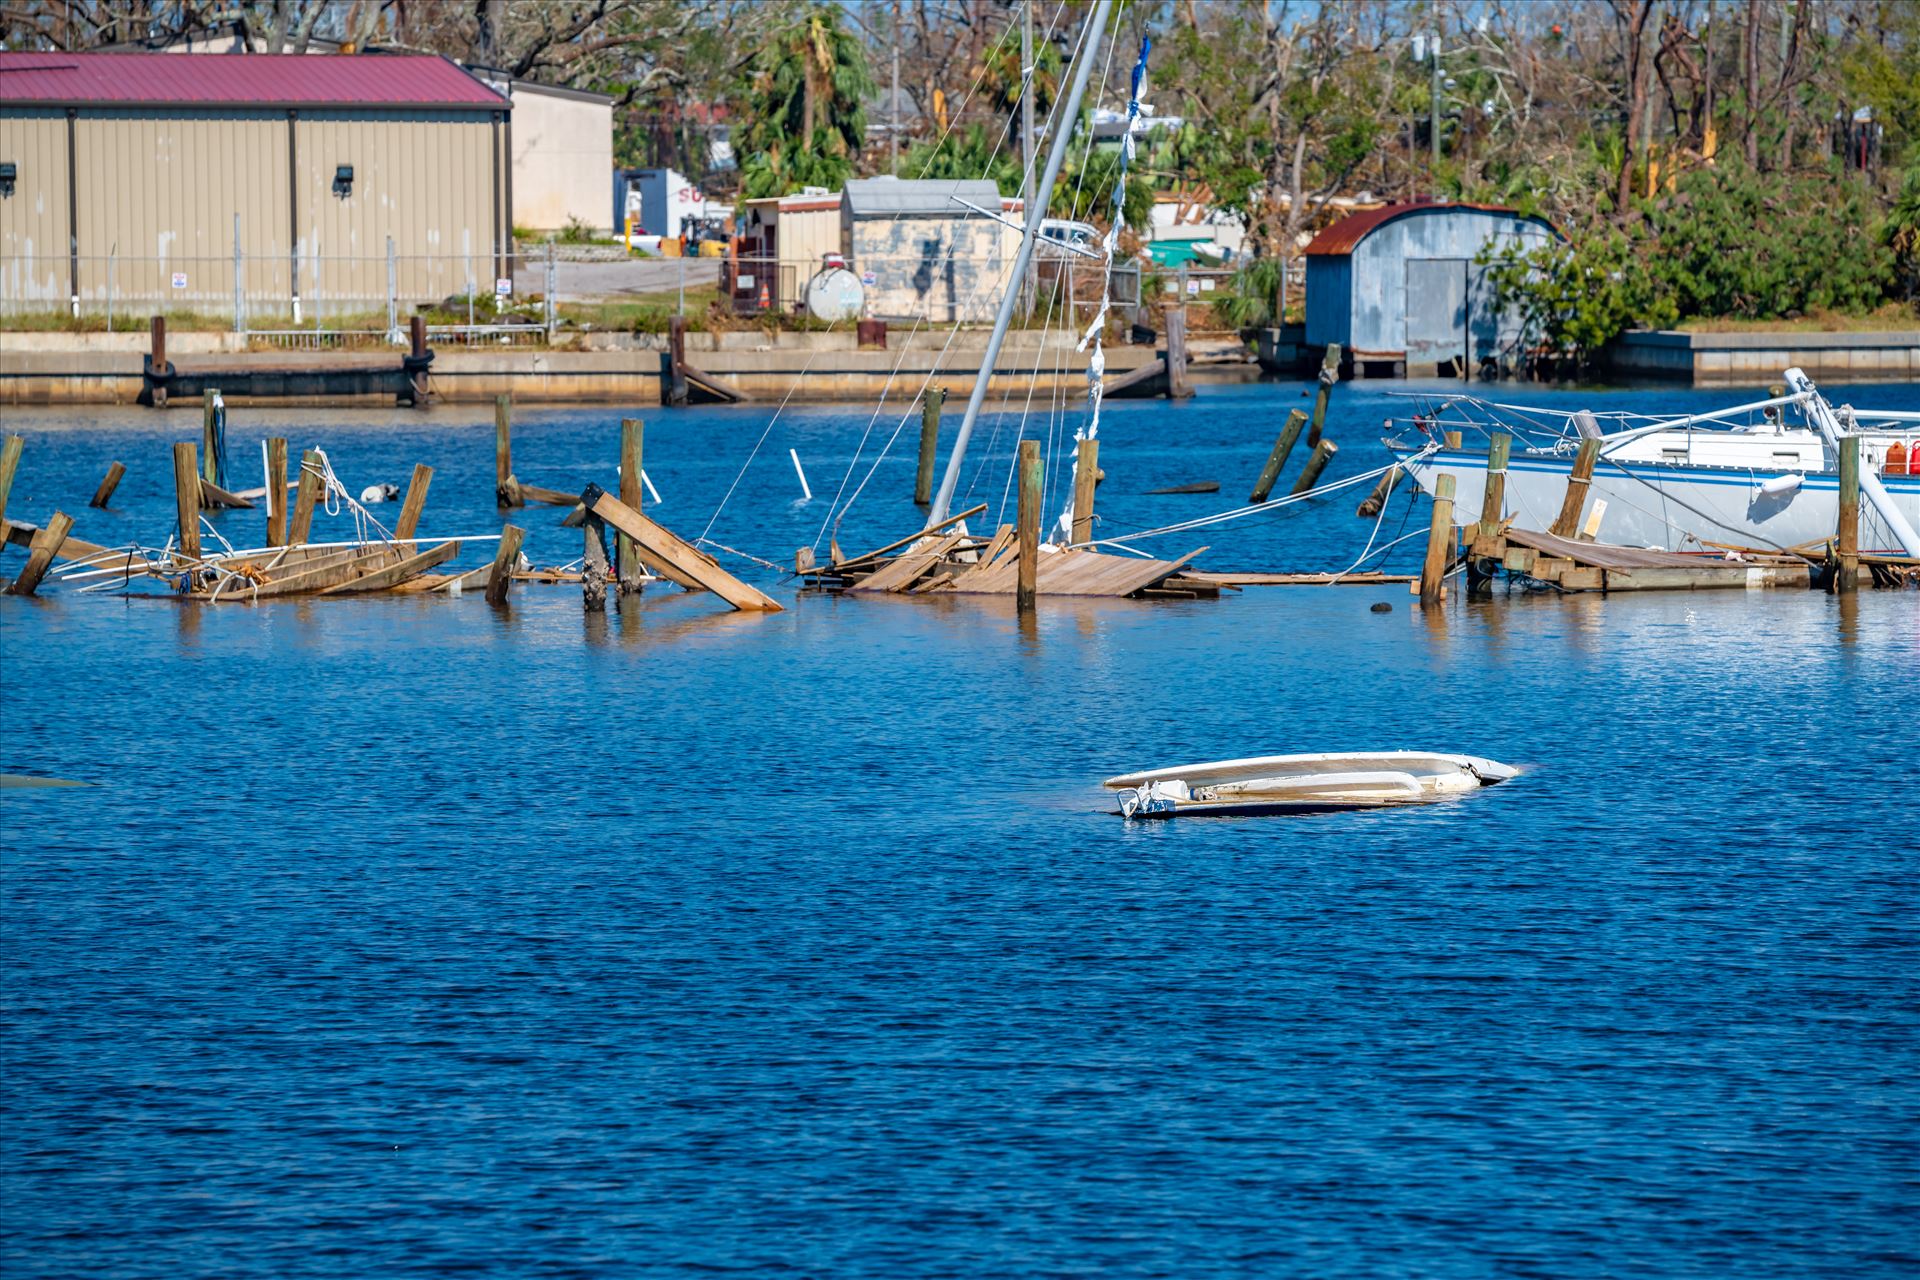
column 921, row 252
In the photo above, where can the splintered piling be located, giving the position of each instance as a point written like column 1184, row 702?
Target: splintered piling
column 9, row 464
column 1032, row 474
column 1371, row 505
column 209, row 437
column 1329, row 374
column 1086, row 473
column 930, row 406
column 1277, row 457
column 1433, row 570
column 45, row 546
column 186, row 497
column 505, row 556
column 632, row 489
column 416, row 502
column 1567, row 523
column 107, row 485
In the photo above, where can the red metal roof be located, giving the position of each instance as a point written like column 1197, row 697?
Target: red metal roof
column 1340, row 239
column 239, row 79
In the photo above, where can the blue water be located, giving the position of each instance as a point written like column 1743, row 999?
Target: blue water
column 403, row 936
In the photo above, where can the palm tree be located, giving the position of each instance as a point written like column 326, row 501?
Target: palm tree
column 805, row 102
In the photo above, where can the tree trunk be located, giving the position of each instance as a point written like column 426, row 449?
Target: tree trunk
column 1753, row 83
column 1635, row 12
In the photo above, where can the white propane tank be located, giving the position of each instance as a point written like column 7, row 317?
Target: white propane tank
column 834, row 294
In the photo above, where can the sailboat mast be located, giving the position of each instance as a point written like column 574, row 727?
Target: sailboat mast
column 1064, row 116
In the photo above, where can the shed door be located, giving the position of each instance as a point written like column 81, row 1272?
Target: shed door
column 1436, row 313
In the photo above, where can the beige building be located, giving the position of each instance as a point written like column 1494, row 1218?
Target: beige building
column 780, row 243
column 281, row 187
column 562, row 154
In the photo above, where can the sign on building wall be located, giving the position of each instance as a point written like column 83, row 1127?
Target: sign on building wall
column 179, row 279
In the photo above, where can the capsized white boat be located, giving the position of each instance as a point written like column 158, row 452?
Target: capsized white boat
column 1324, row 780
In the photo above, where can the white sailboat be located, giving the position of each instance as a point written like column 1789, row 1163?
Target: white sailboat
column 1749, row 475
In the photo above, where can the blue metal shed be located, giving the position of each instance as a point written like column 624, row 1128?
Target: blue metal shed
column 1399, row 285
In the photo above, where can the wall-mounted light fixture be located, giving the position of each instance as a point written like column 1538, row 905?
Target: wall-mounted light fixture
column 343, row 180
column 7, row 174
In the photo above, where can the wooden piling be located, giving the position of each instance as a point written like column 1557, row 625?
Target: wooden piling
column 1433, row 571
column 1277, row 458
column 157, row 358
column 930, row 405
column 1310, row 474
column 1032, row 474
column 632, row 490
column 276, row 491
column 1178, row 388
column 505, row 556
column 209, row 442
column 186, row 497
column 1452, row 439
column 46, row 545
column 108, row 485
column 1329, row 374
column 505, row 488
column 593, row 566
column 1086, row 472
column 416, row 502
column 1567, row 523
column 1495, row 497
column 673, row 364
column 1847, row 572
column 1382, row 489
column 9, row 464
column 304, row 498
column 417, row 363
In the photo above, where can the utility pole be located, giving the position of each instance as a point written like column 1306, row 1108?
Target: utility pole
column 893, row 134
column 1027, row 73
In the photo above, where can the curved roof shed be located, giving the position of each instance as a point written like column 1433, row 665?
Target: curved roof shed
column 1399, row 283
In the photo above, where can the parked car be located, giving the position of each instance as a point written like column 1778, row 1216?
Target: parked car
column 1058, row 236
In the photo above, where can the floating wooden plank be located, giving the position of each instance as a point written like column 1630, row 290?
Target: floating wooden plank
column 657, row 543
column 394, row 575
column 547, row 497
column 71, row 548
column 213, row 497
column 45, row 546
column 1370, row 578
column 906, row 568
column 1198, row 486
column 843, row 565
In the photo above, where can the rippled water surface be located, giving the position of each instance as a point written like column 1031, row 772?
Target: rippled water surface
column 407, row 936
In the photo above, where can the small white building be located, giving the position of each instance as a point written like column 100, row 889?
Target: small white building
column 920, row 252
column 562, row 153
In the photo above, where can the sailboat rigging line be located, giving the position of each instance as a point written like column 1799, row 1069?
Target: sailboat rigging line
column 808, row 365
column 1069, row 110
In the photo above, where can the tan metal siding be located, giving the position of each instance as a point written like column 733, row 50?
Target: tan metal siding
column 423, row 178
column 159, row 195
column 33, row 220
column 562, row 160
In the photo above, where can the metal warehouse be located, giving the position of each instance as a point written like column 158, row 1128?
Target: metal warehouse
column 1398, row 288
column 264, row 183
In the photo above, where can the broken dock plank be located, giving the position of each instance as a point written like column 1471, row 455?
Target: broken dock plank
column 906, row 568
column 394, row 575
column 656, row 543
column 1298, row 579
column 1074, row 573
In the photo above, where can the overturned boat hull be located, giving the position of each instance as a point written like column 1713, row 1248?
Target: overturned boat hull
column 1304, row 783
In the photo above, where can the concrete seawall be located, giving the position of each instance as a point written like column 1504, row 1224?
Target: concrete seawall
column 1719, row 359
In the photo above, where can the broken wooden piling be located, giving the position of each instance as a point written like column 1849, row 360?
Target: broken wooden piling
column 1277, row 457
column 210, row 436
column 1178, row 387
column 930, row 405
column 1382, row 490
column 186, row 497
column 46, row 545
column 505, row 488
column 415, row 503
column 1433, row 570
column 1499, row 445
column 594, row 567
column 1567, row 523
column 305, row 497
column 632, row 490
column 276, row 491
column 505, row 556
column 1027, row 523
column 107, row 485
column 9, row 464
column 1329, row 374
column 1086, row 471
column 1310, row 474
column 1847, row 535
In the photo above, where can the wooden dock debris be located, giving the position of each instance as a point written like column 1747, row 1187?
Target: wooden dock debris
column 688, row 561
column 312, row 577
column 1370, row 506
column 505, row 556
column 1371, row 578
column 107, row 485
column 1198, row 486
column 395, row 574
column 71, row 548
column 594, row 569
column 214, row 498
column 868, row 562
column 1573, row 565
column 1075, row 572
column 46, row 545
column 1277, row 456
column 907, row 568
column 544, row 496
